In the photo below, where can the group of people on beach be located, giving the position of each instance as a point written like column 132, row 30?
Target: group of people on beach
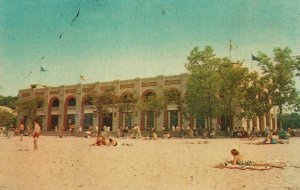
column 101, row 140
column 35, row 133
column 106, row 141
column 273, row 138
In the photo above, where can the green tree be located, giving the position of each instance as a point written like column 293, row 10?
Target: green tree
column 291, row 120
column 7, row 119
column 30, row 107
column 172, row 96
column 151, row 104
column 9, row 101
column 279, row 74
column 128, row 102
column 255, row 99
column 202, row 96
column 231, row 88
column 103, row 102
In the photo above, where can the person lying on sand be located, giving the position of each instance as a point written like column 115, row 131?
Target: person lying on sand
column 112, row 142
column 198, row 142
column 239, row 160
column 101, row 140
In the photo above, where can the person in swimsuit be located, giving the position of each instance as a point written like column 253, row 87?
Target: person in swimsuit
column 99, row 141
column 36, row 134
column 239, row 160
column 21, row 130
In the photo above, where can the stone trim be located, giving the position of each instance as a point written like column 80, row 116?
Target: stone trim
column 123, row 86
column 147, row 84
column 25, row 94
column 170, row 82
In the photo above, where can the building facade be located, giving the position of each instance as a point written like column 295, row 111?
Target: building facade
column 69, row 106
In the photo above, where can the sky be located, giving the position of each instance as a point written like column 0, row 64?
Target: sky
column 125, row 39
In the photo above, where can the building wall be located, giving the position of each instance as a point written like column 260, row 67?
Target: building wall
column 79, row 92
column 138, row 85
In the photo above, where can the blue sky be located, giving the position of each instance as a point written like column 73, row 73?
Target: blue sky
column 123, row 39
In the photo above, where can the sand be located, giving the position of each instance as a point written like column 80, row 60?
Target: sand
column 69, row 164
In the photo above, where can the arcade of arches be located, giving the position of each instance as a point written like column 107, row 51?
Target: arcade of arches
column 72, row 107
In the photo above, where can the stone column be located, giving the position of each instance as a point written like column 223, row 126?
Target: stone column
column 61, row 108
column 137, row 119
column 78, row 114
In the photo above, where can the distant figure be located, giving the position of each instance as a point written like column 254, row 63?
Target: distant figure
column 112, row 142
column 138, row 130
column 154, row 136
column 21, row 130
column 167, row 136
column 88, row 133
column 36, row 134
column 120, row 132
column 101, row 140
column 173, row 127
column 267, row 131
column 96, row 129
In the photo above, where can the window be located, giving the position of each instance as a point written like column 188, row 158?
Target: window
column 72, row 102
column 55, row 103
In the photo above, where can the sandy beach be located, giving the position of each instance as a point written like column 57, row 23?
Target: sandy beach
column 69, row 163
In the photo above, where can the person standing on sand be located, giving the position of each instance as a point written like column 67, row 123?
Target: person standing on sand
column 21, row 130
column 36, row 134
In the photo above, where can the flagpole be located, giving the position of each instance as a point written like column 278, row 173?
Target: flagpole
column 40, row 76
column 230, row 47
column 251, row 62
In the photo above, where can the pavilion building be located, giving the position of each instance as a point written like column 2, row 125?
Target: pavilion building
column 69, row 106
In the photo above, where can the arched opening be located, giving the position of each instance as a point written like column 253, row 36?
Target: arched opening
column 69, row 113
column 126, row 112
column 55, row 103
column 172, row 113
column 53, row 112
column 148, row 117
column 87, row 112
column 72, row 102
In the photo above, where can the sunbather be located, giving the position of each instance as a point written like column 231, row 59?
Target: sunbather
column 239, row 160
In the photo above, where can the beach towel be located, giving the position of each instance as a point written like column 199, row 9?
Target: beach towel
column 242, row 167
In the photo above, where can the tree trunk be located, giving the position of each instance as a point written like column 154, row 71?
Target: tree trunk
column 248, row 124
column 210, row 123
column 231, row 122
column 100, row 126
column 280, row 118
column 155, row 121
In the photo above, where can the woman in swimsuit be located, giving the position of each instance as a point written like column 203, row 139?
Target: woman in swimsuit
column 239, row 160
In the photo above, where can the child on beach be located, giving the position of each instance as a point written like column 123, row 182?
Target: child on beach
column 21, row 130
